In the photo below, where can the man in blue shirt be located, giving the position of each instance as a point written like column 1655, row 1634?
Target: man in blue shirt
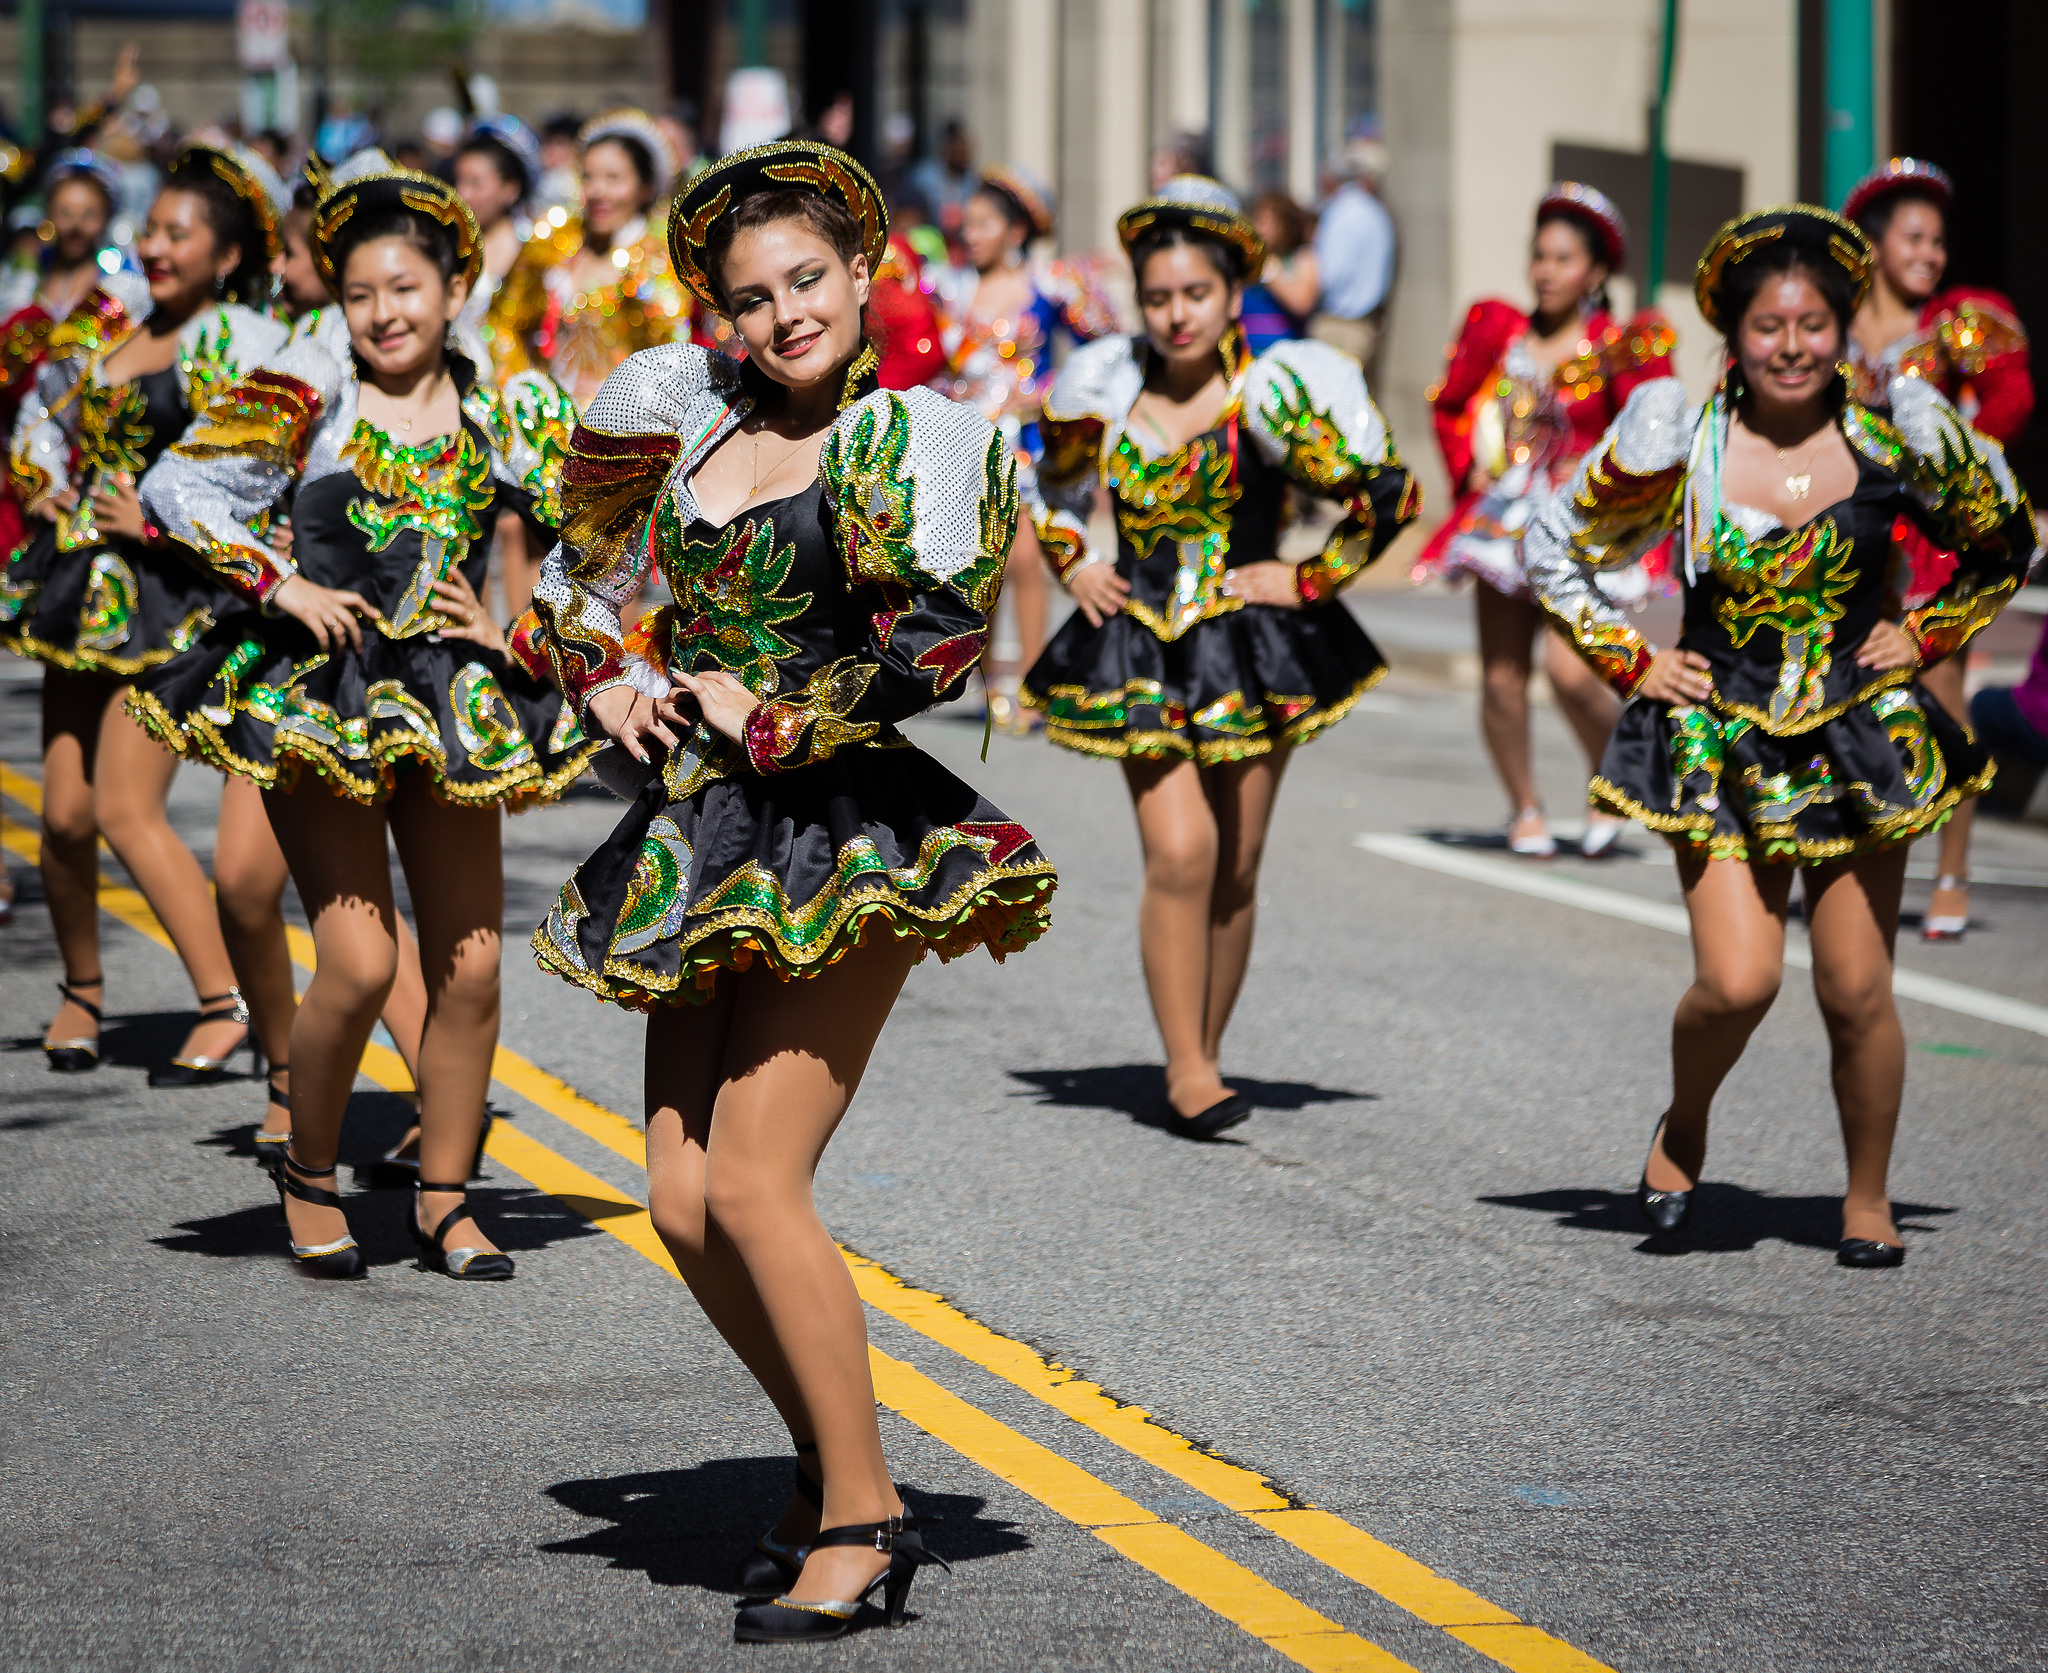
column 1354, row 255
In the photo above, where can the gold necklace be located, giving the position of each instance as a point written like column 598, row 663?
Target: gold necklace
column 405, row 424
column 779, row 463
column 1798, row 484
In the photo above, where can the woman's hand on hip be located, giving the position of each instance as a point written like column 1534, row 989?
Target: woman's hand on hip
column 1269, row 582
column 723, row 700
column 328, row 615
column 1888, row 645
column 630, row 718
column 1678, row 677
column 456, row 599
column 1099, row 591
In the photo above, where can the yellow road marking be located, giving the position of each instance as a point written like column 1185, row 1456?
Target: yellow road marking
column 1206, row 1575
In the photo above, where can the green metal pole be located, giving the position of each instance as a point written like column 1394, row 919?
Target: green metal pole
column 753, row 33
column 31, row 49
column 1660, row 162
column 1850, row 149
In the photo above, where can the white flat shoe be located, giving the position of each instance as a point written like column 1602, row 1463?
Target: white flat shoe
column 1943, row 927
column 1541, row 846
column 1600, row 837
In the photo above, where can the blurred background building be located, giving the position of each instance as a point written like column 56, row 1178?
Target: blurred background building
column 1478, row 102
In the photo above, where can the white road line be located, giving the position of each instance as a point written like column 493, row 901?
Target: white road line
column 1564, row 890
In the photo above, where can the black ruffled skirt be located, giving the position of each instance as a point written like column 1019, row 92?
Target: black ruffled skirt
column 794, row 870
column 1231, row 687
column 1888, row 767
column 113, row 609
column 257, row 696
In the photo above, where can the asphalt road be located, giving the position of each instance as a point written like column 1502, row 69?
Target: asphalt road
column 1410, row 1294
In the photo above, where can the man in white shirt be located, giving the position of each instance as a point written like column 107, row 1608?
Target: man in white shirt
column 1354, row 255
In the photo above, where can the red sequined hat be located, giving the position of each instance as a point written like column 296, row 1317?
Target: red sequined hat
column 1900, row 174
column 1594, row 210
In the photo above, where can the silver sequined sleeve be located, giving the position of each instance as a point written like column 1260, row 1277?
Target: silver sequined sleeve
column 1626, row 497
column 1084, row 409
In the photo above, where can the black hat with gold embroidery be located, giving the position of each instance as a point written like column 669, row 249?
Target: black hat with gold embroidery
column 1819, row 234
column 786, row 165
column 361, row 190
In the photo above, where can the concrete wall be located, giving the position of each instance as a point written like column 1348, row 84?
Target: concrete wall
column 192, row 65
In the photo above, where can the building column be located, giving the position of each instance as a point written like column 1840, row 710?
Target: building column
column 1230, row 110
column 1850, row 145
column 1302, row 104
column 1031, row 91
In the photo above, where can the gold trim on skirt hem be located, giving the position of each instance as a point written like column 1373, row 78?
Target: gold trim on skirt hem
column 1168, row 745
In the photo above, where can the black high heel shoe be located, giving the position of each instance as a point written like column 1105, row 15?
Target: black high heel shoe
column 339, row 1259
column 773, row 1563
column 74, row 1057
column 1219, row 1116
column 1867, row 1251
column 786, row 1621
column 208, row 1071
column 270, row 1147
column 393, row 1169
column 1666, row 1211
column 477, row 1265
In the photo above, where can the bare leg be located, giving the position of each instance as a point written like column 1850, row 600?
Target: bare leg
column 336, row 850
column 1738, row 958
column 73, row 707
column 795, row 1053
column 1944, row 682
column 1852, row 910
column 131, row 781
column 1588, row 703
column 1241, row 795
column 686, row 1047
column 1177, row 830
column 455, row 874
column 1507, row 636
column 249, row 877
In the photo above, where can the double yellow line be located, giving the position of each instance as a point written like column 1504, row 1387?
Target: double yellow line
column 1217, row 1582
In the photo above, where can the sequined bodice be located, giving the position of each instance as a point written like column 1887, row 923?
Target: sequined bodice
column 397, row 520
column 1185, row 518
column 1780, row 613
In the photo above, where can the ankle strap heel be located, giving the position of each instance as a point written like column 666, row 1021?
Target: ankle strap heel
column 475, row 1264
column 74, row 1057
column 339, row 1259
column 793, row 1621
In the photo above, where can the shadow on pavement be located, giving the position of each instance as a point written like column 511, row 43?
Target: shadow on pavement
column 1496, row 842
column 1138, row 1090
column 691, row 1527
column 1728, row 1219
column 137, row 1041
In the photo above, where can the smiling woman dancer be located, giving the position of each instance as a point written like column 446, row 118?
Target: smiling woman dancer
column 1523, row 396
column 589, row 290
column 834, row 552
column 99, row 593
column 1970, row 345
column 365, row 697
column 1786, row 731
column 1197, row 657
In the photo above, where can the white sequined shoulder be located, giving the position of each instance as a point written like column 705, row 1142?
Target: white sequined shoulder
column 675, row 389
column 1655, row 429
column 1102, row 379
column 1291, row 377
column 960, row 473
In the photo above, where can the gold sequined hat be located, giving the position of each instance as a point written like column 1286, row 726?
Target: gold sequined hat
column 370, row 182
column 1819, row 233
column 784, row 165
column 252, row 180
column 1202, row 205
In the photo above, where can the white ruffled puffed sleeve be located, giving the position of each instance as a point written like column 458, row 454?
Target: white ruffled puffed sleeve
column 1086, row 406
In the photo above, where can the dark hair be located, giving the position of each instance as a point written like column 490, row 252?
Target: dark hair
column 1740, row 282
column 80, row 177
column 562, row 125
column 636, row 152
column 501, row 157
column 425, row 234
column 1297, row 224
column 232, row 221
column 1010, row 204
column 831, row 221
column 1876, row 219
column 1223, row 256
column 1597, row 296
